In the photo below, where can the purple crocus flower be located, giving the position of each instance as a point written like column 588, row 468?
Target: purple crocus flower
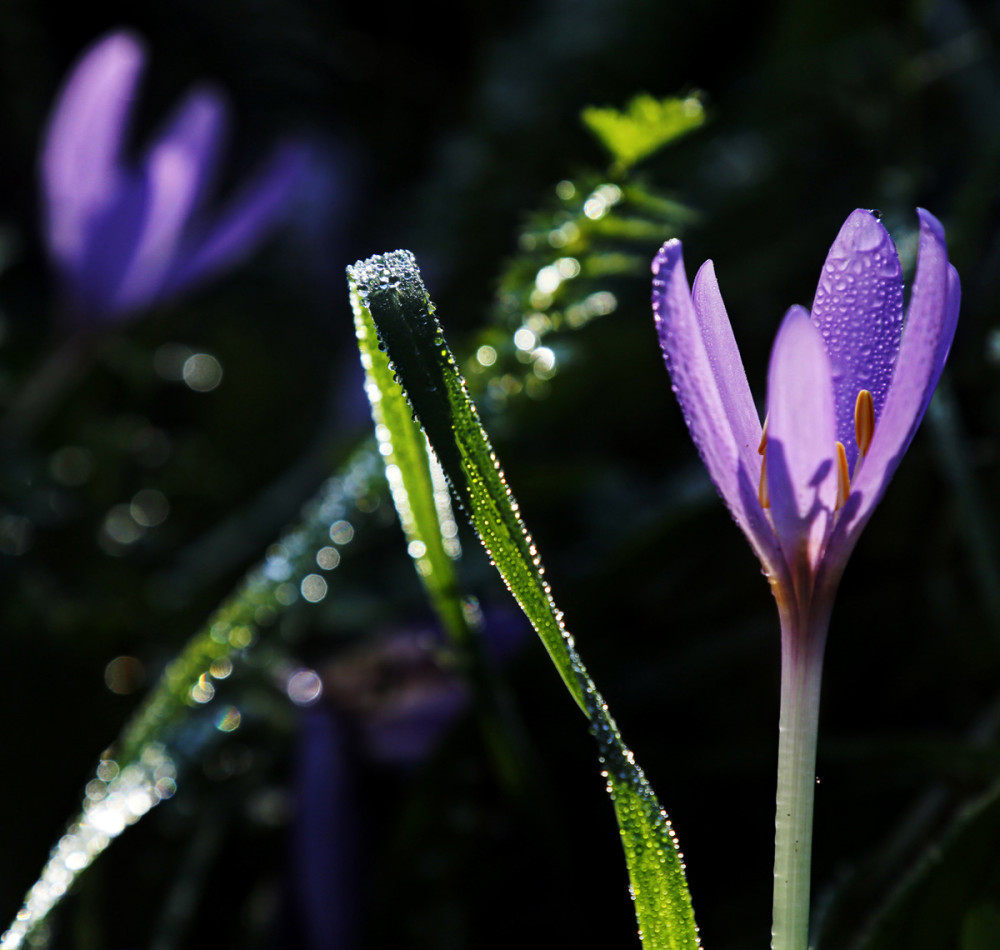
column 125, row 235
column 848, row 385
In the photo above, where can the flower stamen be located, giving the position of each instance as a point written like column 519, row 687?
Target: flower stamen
column 864, row 422
column 762, row 492
column 843, row 477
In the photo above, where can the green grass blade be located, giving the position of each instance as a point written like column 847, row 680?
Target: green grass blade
column 424, row 507
column 422, row 500
column 424, row 367
column 388, row 291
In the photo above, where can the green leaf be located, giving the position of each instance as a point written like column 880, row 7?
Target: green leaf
column 388, row 290
column 422, row 501
column 644, row 127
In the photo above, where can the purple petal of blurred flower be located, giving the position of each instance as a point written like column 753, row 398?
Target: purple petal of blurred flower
column 401, row 694
column 398, row 693
column 803, row 486
column 326, row 889
column 124, row 236
column 401, row 700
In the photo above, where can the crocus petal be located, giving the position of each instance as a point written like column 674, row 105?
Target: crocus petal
column 711, row 386
column 930, row 327
column 947, row 335
column 727, row 365
column 801, row 439
column 246, row 220
column 196, row 133
column 113, row 232
column 80, row 155
column 177, row 171
column 859, row 310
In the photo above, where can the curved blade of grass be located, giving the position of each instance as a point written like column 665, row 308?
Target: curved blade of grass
column 426, row 517
column 423, row 503
column 388, row 289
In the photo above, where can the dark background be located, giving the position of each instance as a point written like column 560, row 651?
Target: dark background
column 440, row 128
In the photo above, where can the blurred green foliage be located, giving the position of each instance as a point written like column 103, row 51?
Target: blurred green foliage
column 643, row 127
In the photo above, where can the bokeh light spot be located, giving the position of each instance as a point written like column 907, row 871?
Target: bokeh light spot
column 304, row 687
column 202, row 372
column 313, row 588
column 203, row 691
column 124, row 675
column 327, row 558
column 341, row 532
column 228, row 719
column 566, row 190
column 119, row 529
column 524, row 339
column 149, row 507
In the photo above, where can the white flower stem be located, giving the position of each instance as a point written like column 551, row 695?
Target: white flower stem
column 802, row 640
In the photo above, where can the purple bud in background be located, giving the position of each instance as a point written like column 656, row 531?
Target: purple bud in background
column 389, row 703
column 127, row 235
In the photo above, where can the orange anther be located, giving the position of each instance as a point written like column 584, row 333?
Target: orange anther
column 864, row 421
column 762, row 493
column 843, row 477
column 763, row 437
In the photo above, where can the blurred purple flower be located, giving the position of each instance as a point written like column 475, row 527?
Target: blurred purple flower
column 390, row 702
column 126, row 235
column 401, row 695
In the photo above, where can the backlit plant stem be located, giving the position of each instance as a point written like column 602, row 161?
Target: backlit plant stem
column 803, row 638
